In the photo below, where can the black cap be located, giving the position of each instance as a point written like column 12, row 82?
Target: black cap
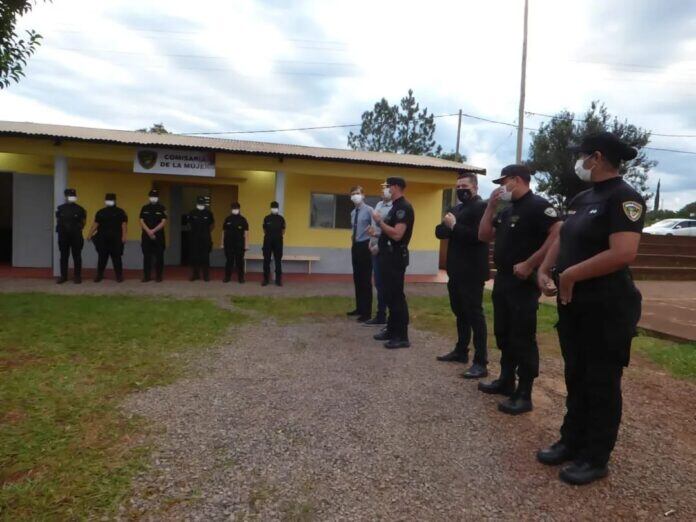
column 110, row 196
column 521, row 171
column 200, row 200
column 608, row 144
column 399, row 182
column 234, row 205
column 69, row 192
column 274, row 204
column 154, row 193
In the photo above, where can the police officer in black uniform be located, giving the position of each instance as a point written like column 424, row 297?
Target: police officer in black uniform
column 523, row 232
column 598, row 305
column 467, row 270
column 109, row 233
column 397, row 228
column 235, row 232
column 201, row 222
column 70, row 221
column 153, row 218
column 273, row 230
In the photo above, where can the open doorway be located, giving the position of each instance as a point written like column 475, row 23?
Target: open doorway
column 5, row 217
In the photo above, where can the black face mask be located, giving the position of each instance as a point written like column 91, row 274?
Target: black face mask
column 464, row 195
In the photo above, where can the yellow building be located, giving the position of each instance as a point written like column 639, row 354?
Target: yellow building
column 37, row 162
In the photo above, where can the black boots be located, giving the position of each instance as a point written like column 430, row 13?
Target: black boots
column 520, row 401
column 477, row 371
column 454, row 356
column 503, row 385
column 556, row 454
column 581, row 473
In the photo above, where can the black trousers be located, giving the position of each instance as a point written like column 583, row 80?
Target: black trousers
column 153, row 250
column 362, row 277
column 234, row 257
column 393, row 267
column 515, row 305
column 466, row 301
column 70, row 244
column 200, row 257
column 272, row 247
column 595, row 339
column 110, row 249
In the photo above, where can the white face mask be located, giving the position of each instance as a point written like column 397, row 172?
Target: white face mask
column 505, row 194
column 274, row 211
column 581, row 172
column 386, row 193
column 235, row 211
column 72, row 199
column 109, row 202
column 154, row 200
column 356, row 199
column 200, row 207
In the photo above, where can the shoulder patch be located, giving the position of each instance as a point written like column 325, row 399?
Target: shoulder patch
column 400, row 214
column 633, row 210
column 551, row 212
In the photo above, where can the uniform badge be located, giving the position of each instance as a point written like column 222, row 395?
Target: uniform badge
column 514, row 219
column 551, row 212
column 400, row 214
column 147, row 158
column 633, row 210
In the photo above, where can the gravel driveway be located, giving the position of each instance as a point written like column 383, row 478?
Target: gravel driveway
column 317, row 421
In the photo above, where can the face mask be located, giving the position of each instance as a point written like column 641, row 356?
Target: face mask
column 274, row 211
column 109, row 202
column 235, row 211
column 581, row 172
column 505, row 195
column 200, row 207
column 72, row 199
column 356, row 199
column 154, row 200
column 464, row 195
column 386, row 193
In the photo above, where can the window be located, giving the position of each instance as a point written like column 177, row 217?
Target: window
column 333, row 210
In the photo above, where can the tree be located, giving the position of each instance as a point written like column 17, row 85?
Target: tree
column 554, row 165
column 157, row 128
column 404, row 128
column 14, row 49
column 452, row 156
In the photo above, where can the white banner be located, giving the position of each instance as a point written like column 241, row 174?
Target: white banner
column 176, row 162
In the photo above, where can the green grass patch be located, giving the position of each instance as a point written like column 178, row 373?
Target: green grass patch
column 66, row 362
column 286, row 310
column 678, row 358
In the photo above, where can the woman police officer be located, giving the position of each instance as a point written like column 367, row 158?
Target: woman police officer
column 598, row 305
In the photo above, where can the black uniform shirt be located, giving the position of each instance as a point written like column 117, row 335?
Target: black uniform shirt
column 153, row 214
column 593, row 215
column 466, row 255
column 521, row 229
column 273, row 226
column 401, row 212
column 200, row 222
column 70, row 218
column 234, row 228
column 110, row 221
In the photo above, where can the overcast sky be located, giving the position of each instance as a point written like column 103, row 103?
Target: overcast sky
column 212, row 66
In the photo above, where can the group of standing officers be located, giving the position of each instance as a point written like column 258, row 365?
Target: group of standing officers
column 109, row 233
column 581, row 257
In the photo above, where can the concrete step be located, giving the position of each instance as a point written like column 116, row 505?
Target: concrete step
column 662, row 260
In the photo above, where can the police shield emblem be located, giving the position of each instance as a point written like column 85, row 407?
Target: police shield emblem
column 633, row 210
column 400, row 214
column 147, row 158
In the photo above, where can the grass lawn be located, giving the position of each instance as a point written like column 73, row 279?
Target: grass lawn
column 434, row 314
column 65, row 364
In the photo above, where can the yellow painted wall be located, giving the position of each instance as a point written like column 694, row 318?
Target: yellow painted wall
column 255, row 196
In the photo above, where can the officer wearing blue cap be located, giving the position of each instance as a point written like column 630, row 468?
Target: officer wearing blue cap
column 70, row 221
column 598, row 305
column 396, row 228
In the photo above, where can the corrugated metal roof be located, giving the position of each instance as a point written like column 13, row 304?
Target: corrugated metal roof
column 11, row 128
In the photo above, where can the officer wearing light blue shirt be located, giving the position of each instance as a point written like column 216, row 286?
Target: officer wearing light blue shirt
column 360, row 220
column 382, row 208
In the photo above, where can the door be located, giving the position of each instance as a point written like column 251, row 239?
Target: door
column 32, row 220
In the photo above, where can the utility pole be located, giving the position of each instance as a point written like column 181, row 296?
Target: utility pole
column 459, row 130
column 520, row 117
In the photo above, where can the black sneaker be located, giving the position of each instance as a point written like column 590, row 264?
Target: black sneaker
column 394, row 344
column 454, row 356
column 581, row 473
column 383, row 335
column 477, row 371
column 497, row 387
column 515, row 405
column 556, row 454
column 375, row 321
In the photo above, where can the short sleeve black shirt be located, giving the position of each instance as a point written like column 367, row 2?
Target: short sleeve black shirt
column 200, row 222
column 152, row 215
column 521, row 229
column 234, row 227
column 110, row 221
column 401, row 212
column 70, row 218
column 593, row 215
column 273, row 226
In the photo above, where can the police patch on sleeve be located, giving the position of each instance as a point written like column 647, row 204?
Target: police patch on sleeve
column 400, row 214
column 633, row 210
column 551, row 212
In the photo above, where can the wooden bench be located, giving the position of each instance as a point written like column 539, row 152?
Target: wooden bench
column 288, row 257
